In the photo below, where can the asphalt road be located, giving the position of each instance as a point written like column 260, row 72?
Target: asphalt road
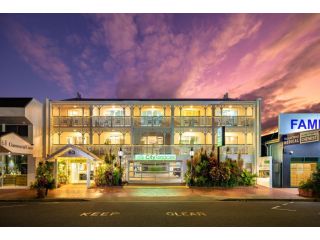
column 148, row 213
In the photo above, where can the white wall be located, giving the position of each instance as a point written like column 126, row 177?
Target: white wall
column 11, row 112
column 33, row 112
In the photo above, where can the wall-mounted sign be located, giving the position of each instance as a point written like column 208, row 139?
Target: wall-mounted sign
column 153, row 157
column 290, row 139
column 307, row 137
column 221, row 136
column 15, row 144
column 298, row 122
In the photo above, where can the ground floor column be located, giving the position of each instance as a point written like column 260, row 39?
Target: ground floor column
column 88, row 173
column 2, row 157
column 56, row 172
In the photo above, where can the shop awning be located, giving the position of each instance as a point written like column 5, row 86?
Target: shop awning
column 70, row 150
column 3, row 150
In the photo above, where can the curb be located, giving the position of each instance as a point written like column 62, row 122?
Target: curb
column 46, row 200
column 271, row 199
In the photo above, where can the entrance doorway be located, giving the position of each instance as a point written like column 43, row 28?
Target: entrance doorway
column 155, row 172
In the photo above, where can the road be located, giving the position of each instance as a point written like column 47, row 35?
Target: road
column 162, row 213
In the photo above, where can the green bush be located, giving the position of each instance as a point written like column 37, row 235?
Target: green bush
column 247, row 178
column 44, row 177
column 313, row 183
column 108, row 175
column 207, row 171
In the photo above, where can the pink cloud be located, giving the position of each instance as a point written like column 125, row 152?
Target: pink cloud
column 42, row 55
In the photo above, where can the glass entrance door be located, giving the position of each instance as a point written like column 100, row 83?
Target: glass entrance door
column 155, row 172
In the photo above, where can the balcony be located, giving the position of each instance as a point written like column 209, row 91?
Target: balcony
column 71, row 122
column 233, row 121
column 192, row 121
column 151, row 121
column 111, row 121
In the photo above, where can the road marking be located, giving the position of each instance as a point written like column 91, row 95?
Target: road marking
column 99, row 214
column 186, row 214
column 12, row 206
column 283, row 209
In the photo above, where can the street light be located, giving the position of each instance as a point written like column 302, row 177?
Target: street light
column 120, row 154
column 191, row 156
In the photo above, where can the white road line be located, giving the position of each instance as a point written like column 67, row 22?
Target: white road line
column 285, row 204
column 275, row 207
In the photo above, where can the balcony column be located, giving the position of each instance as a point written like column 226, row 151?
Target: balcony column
column 205, row 115
column 205, row 138
column 124, row 116
column 212, row 122
column 172, row 126
column 131, row 132
column 91, row 124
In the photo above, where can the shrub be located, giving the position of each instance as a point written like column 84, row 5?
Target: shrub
column 44, row 177
column 313, row 183
column 247, row 178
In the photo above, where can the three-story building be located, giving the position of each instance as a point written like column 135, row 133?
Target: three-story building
column 155, row 135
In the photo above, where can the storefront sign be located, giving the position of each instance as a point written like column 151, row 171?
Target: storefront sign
column 298, row 122
column 152, row 157
column 291, row 139
column 221, row 136
column 307, row 137
column 15, row 144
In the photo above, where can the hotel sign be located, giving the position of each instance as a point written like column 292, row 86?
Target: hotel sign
column 221, row 136
column 298, row 122
column 15, row 144
column 155, row 157
column 307, row 137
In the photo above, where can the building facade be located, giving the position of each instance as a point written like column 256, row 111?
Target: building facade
column 295, row 149
column 21, row 140
column 155, row 135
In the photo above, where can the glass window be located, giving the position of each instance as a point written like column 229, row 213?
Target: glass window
column 21, row 130
column 231, row 140
column 114, row 112
column 187, row 139
column 229, row 112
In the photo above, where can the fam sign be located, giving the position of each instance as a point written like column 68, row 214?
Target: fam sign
column 153, row 157
column 298, row 122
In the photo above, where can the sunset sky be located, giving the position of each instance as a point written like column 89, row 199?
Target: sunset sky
column 272, row 56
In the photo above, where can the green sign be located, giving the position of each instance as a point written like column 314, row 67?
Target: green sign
column 221, row 136
column 155, row 157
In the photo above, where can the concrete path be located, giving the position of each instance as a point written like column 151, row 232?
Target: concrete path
column 156, row 193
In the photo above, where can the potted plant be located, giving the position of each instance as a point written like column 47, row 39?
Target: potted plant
column 311, row 188
column 44, row 180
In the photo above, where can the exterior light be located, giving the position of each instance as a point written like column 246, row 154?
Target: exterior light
column 191, row 106
column 74, row 106
column 191, row 167
column 22, row 155
column 120, row 154
column 152, row 106
column 9, row 154
column 230, row 106
column 191, row 152
column 113, row 106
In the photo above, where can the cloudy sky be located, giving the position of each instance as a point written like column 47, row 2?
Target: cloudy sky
column 273, row 56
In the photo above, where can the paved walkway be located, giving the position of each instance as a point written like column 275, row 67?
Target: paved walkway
column 155, row 193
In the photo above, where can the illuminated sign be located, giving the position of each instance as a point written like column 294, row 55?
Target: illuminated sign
column 15, row 144
column 290, row 139
column 298, row 122
column 153, row 157
column 306, row 137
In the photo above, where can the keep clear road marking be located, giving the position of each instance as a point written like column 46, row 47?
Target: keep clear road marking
column 99, row 214
column 186, row 214
column 284, row 209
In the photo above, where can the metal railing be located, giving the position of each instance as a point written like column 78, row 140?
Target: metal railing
column 101, row 150
column 152, row 121
column 233, row 121
column 111, row 121
column 71, row 121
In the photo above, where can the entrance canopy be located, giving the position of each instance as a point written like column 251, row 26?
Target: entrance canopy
column 73, row 151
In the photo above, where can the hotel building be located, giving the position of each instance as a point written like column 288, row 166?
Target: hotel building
column 155, row 135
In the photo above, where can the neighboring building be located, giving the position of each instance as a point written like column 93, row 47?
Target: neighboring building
column 21, row 140
column 155, row 135
column 295, row 150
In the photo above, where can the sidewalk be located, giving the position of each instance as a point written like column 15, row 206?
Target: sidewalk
column 133, row 193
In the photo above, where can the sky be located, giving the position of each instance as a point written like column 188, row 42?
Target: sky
column 275, row 57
